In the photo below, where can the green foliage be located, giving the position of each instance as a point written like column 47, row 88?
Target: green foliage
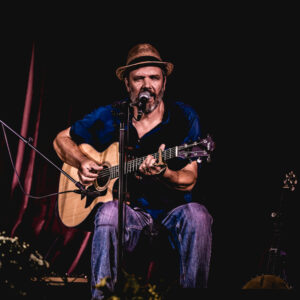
column 132, row 288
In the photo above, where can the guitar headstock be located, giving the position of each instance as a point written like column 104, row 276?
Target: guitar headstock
column 290, row 181
column 199, row 149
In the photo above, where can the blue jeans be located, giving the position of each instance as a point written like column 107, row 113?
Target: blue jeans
column 189, row 226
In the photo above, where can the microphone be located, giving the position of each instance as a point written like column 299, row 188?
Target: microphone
column 141, row 103
column 143, row 99
column 88, row 193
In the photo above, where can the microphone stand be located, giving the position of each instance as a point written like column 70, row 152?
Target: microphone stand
column 123, row 114
column 28, row 142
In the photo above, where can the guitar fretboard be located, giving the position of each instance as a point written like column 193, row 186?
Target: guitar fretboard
column 133, row 165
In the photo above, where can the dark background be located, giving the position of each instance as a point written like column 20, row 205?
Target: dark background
column 240, row 74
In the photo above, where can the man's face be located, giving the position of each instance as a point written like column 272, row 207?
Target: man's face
column 149, row 79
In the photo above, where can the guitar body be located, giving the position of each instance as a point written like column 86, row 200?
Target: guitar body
column 73, row 209
column 266, row 281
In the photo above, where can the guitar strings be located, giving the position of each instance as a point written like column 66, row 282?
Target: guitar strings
column 133, row 164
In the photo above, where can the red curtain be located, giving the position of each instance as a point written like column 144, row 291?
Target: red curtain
column 36, row 220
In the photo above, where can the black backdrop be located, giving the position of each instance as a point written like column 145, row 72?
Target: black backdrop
column 242, row 80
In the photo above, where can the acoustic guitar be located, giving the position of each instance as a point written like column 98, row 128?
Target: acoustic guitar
column 74, row 206
column 275, row 276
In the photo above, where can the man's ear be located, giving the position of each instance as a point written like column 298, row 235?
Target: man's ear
column 126, row 84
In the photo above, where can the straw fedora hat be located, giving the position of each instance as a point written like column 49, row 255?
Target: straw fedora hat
column 143, row 55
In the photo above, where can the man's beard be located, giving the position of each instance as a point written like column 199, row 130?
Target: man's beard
column 150, row 108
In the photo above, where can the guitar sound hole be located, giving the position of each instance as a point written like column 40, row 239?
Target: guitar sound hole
column 104, row 177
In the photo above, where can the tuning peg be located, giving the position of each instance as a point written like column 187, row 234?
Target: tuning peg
column 273, row 214
column 208, row 146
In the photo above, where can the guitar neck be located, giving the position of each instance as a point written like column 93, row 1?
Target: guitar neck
column 133, row 165
column 277, row 255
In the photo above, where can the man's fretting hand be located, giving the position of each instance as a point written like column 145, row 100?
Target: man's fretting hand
column 149, row 166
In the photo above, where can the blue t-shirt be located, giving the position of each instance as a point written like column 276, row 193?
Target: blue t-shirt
column 180, row 125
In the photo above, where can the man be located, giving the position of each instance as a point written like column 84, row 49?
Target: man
column 162, row 192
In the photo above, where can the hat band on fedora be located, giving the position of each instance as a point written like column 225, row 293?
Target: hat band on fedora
column 142, row 59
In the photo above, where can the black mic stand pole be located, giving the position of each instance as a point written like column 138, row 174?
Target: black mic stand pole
column 28, row 142
column 123, row 114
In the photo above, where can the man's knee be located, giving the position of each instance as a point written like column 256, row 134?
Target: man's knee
column 197, row 216
column 107, row 214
